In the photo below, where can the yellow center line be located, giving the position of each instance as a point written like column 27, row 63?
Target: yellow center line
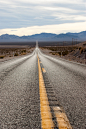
column 46, row 117
column 62, row 120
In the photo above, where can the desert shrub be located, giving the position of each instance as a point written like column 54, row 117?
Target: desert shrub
column 1, row 57
column 84, row 50
column 23, row 53
column 81, row 50
column 23, row 50
column 16, row 54
column 59, row 53
column 71, row 50
column 53, row 53
column 53, row 48
column 64, row 53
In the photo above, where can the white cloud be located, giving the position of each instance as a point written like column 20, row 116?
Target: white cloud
column 68, row 17
column 23, row 13
column 62, row 9
column 62, row 28
column 51, row 1
column 45, row 2
column 80, row 18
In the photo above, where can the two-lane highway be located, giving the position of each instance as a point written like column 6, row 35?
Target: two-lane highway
column 35, row 85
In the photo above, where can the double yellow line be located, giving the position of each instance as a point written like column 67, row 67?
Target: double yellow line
column 46, row 116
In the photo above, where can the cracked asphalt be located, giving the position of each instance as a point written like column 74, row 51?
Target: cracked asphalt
column 19, row 90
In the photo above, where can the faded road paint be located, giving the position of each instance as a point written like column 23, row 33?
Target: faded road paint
column 44, row 71
column 62, row 120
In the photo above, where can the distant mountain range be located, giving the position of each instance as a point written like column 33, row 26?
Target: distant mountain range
column 45, row 37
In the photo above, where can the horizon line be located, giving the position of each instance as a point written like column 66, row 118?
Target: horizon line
column 44, row 32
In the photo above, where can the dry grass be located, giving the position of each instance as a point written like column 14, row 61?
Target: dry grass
column 61, row 50
column 75, row 53
column 14, row 51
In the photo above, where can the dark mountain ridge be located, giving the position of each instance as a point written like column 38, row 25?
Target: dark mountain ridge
column 45, row 37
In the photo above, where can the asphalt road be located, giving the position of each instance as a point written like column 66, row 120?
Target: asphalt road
column 19, row 90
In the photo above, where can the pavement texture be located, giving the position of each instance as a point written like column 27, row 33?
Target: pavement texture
column 65, row 84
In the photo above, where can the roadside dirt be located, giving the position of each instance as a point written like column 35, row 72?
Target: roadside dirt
column 13, row 51
column 72, row 53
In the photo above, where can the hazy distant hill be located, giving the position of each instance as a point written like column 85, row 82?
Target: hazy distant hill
column 45, row 37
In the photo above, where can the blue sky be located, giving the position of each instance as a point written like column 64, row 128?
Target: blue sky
column 27, row 17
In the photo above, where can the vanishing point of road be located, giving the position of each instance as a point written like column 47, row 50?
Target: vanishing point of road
column 41, row 92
